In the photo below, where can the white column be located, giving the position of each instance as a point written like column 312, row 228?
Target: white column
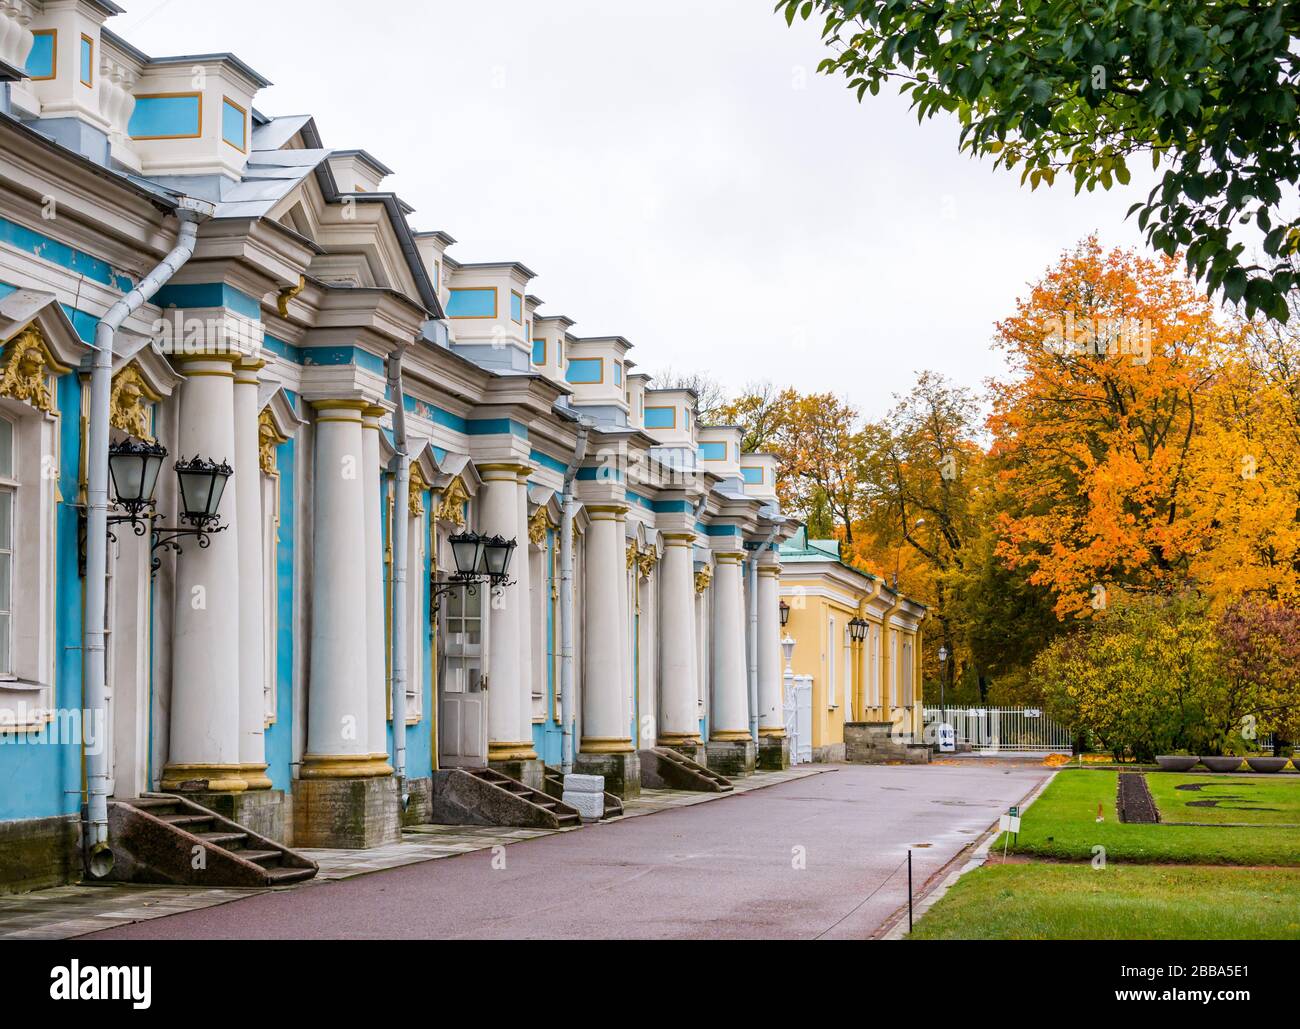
column 376, row 694
column 205, row 701
column 679, row 722
column 338, row 707
column 625, row 623
column 521, row 570
column 252, row 572
column 729, row 720
column 604, row 685
column 771, row 713
column 499, row 516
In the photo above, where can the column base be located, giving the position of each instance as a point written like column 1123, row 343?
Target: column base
column 773, row 753
column 346, row 814
column 264, row 811
column 345, row 766
column 732, row 758
column 688, row 746
column 531, row 773
column 205, row 778
column 521, row 750
column 622, row 772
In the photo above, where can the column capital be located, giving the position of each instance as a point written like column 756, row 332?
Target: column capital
column 500, row 469
column 194, row 366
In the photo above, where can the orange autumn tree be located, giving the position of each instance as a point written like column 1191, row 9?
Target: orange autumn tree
column 1111, row 356
column 1245, row 470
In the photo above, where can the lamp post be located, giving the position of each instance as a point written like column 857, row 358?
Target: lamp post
column 943, row 677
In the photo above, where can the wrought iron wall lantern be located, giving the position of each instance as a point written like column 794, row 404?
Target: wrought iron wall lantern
column 202, row 484
column 480, row 560
column 134, row 468
column 785, row 614
column 858, row 629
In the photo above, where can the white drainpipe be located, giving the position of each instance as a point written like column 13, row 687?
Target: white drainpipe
column 753, row 634
column 566, row 602
column 401, row 521
column 191, row 213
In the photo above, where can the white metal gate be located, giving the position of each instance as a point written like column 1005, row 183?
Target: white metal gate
column 992, row 730
column 798, row 718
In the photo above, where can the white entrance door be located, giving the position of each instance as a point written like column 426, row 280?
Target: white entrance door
column 462, row 703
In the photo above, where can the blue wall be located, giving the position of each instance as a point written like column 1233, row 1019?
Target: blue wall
column 279, row 737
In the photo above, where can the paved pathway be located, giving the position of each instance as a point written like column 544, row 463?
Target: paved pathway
column 818, row 856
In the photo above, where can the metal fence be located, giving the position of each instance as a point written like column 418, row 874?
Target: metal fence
column 991, row 730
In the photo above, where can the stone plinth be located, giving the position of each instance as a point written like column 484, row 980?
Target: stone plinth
column 348, row 814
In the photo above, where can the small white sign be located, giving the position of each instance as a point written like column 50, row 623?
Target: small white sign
column 1009, row 823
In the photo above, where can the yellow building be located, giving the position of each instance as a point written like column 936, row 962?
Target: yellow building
column 857, row 639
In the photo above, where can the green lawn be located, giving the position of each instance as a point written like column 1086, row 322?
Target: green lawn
column 1062, row 824
column 1130, row 902
column 1259, row 800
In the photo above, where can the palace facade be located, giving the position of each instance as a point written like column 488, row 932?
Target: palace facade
column 325, row 403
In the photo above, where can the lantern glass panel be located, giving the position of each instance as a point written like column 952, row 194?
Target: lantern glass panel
column 466, row 552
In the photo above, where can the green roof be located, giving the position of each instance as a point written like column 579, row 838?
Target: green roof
column 800, row 548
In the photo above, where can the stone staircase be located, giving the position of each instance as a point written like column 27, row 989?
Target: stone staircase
column 663, row 768
column 169, row 840
column 484, row 796
column 553, row 783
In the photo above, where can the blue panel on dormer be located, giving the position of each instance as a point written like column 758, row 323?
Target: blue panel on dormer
column 661, row 417
column 87, row 61
column 166, row 117
column 586, row 370
column 472, row 303
column 516, row 307
column 234, row 125
column 713, row 451
column 40, row 62
column 539, row 351
column 752, row 476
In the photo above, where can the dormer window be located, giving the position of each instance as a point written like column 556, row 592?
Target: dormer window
column 539, row 351
column 516, row 307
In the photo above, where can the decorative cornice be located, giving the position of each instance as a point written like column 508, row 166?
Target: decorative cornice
column 418, row 486
column 646, row 562
column 28, row 367
column 452, row 507
column 268, row 438
column 127, row 408
column 538, row 525
column 287, row 294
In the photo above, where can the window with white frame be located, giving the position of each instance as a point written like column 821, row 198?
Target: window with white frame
column 848, row 673
column 28, row 503
column 417, row 580
column 832, row 699
column 907, row 671
column 873, row 667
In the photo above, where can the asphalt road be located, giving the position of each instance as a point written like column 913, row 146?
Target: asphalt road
column 817, row 857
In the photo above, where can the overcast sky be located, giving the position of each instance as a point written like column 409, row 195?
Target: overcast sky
column 674, row 171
